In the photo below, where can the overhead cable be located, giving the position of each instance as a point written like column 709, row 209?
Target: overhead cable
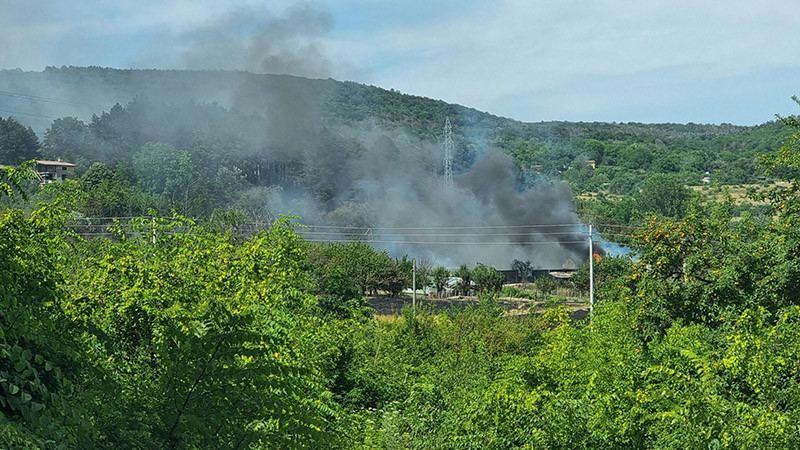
column 51, row 100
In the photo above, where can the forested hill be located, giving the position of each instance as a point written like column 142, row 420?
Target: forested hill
column 197, row 140
column 36, row 98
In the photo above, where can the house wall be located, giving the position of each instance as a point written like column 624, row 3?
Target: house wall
column 57, row 173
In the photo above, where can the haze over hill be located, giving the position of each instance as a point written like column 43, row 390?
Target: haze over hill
column 346, row 155
column 614, row 61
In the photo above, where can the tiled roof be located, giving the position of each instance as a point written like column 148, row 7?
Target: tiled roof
column 43, row 162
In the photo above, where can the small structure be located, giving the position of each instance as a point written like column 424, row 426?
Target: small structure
column 51, row 171
column 563, row 274
column 512, row 276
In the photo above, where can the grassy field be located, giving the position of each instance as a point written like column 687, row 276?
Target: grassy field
column 740, row 193
column 389, row 308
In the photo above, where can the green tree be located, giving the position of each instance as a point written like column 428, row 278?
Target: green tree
column 12, row 179
column 636, row 156
column 606, row 272
column 594, row 149
column 70, row 138
column 465, row 285
column 41, row 365
column 110, row 193
column 202, row 339
column 388, row 274
column 440, row 277
column 162, row 169
column 545, row 284
column 664, row 195
column 524, row 269
column 487, row 279
column 17, row 142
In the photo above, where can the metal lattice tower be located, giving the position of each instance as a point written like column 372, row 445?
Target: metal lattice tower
column 448, row 153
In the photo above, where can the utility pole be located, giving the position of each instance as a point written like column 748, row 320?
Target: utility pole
column 414, row 284
column 591, row 271
column 448, row 153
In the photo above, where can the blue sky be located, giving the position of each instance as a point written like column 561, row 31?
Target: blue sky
column 604, row 60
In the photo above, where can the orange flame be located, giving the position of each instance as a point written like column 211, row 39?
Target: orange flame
column 597, row 257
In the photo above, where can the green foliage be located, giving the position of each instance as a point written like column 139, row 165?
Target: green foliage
column 160, row 168
column 545, row 284
column 186, row 324
column 17, row 142
column 208, row 338
column 487, row 279
column 465, row 285
column 487, row 302
column 664, row 195
column 12, row 179
column 515, row 292
column 354, row 269
column 69, row 138
column 189, row 342
column 428, row 377
column 606, row 272
column 440, row 276
column 40, row 364
column 110, row 193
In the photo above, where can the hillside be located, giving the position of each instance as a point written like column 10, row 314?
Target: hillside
column 35, row 97
column 344, row 154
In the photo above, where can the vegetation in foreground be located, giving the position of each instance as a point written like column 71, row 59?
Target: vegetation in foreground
column 208, row 339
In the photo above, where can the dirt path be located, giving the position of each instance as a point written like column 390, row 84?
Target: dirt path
column 389, row 306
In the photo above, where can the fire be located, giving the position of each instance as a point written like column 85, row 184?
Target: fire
column 597, row 257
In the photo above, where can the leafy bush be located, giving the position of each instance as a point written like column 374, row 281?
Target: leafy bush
column 487, row 278
column 515, row 292
column 546, row 284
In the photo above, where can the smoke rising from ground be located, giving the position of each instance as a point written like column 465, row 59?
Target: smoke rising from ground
column 390, row 191
column 483, row 218
column 288, row 137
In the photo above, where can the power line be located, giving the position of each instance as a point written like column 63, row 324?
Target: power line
column 608, row 225
column 335, row 233
column 39, row 76
column 477, row 227
column 390, row 231
column 451, row 242
column 369, row 228
column 28, row 114
column 50, row 100
column 395, row 235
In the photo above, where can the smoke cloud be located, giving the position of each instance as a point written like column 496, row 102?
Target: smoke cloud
column 394, row 195
column 250, row 39
column 315, row 148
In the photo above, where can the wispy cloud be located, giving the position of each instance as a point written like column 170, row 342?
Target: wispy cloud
column 547, row 49
column 538, row 60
